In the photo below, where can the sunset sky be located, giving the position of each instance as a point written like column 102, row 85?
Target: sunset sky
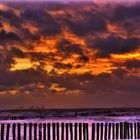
column 69, row 55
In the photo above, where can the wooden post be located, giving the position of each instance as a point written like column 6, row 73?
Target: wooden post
column 14, row 131
column 125, row 130
column 62, row 131
column 128, row 133
column 102, row 125
column 30, row 131
column 35, row 131
column 105, row 132
column 93, row 131
column 84, row 131
column 86, row 127
column 138, row 130
column 67, row 131
column 2, row 131
column 75, row 131
column 121, row 130
column 40, row 131
column 71, row 131
column 48, row 130
column 19, row 131
column 8, row 132
column 80, row 131
column 53, row 131
column 117, row 132
column 44, row 131
column 109, row 131
column 135, row 130
column 57, row 126
column 98, row 130
column 113, row 130
column 25, row 131
column 131, row 131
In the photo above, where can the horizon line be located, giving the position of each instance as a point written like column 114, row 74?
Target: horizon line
column 69, row 108
column 67, row 1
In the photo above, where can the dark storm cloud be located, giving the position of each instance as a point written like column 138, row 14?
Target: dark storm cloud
column 11, row 17
column 114, row 45
column 6, row 56
column 37, row 55
column 126, row 12
column 60, row 65
column 17, row 52
column 89, row 24
column 44, row 21
column 23, row 77
column 41, row 56
column 8, row 36
column 120, row 72
column 8, row 14
column 130, row 64
column 83, row 59
column 15, row 22
column 118, row 81
column 68, row 48
column 122, row 85
column 127, row 17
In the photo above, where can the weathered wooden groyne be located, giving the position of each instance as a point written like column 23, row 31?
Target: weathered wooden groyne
column 72, row 124
column 69, row 130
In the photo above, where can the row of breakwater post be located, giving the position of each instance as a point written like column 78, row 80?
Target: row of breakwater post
column 70, row 131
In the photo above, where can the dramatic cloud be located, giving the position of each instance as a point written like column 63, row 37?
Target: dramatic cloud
column 42, row 20
column 69, row 54
column 132, row 64
column 123, row 12
column 4, row 36
column 115, row 45
column 67, row 48
column 89, row 23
